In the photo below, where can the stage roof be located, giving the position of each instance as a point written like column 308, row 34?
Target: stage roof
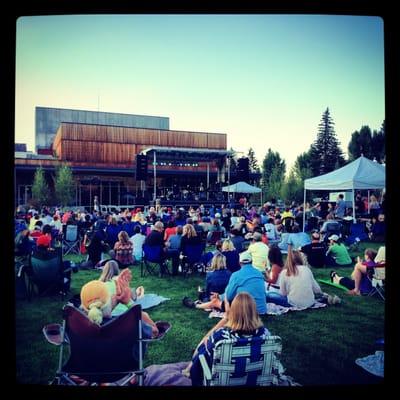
column 186, row 153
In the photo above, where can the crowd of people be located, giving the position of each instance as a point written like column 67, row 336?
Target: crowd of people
column 245, row 271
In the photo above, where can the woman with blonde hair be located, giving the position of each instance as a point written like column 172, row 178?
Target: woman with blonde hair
column 217, row 279
column 189, row 236
column 241, row 322
column 297, row 284
column 123, row 249
column 121, row 296
column 231, row 254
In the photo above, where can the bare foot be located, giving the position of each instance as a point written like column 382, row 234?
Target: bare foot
column 353, row 292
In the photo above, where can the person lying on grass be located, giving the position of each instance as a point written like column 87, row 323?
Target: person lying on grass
column 122, row 296
column 358, row 283
column 242, row 321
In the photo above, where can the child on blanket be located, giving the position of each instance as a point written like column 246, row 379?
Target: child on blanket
column 297, row 284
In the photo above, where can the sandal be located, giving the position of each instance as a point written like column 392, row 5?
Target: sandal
column 188, row 302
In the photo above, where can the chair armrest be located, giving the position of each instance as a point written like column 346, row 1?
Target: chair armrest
column 53, row 334
column 163, row 328
column 206, row 368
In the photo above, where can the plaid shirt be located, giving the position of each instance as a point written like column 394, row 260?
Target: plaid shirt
column 123, row 252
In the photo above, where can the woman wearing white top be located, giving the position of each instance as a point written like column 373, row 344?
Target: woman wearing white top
column 297, row 284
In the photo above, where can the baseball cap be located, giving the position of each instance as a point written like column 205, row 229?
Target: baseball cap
column 335, row 238
column 245, row 257
column 217, row 215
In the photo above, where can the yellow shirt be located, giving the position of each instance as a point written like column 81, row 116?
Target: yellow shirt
column 259, row 254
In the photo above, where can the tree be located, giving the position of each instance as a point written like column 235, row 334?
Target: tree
column 293, row 187
column 63, row 185
column 378, row 144
column 302, row 166
column 325, row 152
column 40, row 188
column 360, row 143
column 253, row 163
column 273, row 173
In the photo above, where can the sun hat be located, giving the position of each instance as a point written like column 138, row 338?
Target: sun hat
column 245, row 257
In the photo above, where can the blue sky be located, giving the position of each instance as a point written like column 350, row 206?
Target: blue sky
column 264, row 80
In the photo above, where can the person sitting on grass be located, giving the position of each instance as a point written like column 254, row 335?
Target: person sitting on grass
column 297, row 284
column 337, row 254
column 358, row 284
column 315, row 251
column 242, row 321
column 247, row 279
column 231, row 254
column 216, row 279
column 123, row 249
column 272, row 275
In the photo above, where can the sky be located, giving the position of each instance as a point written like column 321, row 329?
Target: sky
column 264, row 80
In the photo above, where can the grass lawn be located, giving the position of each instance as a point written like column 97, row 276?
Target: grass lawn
column 319, row 346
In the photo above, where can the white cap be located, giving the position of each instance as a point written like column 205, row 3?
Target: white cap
column 217, row 215
column 335, row 238
column 245, row 257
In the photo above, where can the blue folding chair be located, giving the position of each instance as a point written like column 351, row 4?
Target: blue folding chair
column 153, row 256
column 192, row 258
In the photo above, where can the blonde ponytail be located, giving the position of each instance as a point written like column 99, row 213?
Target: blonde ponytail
column 95, row 313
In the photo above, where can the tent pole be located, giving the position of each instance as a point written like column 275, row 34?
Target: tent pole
column 304, row 211
column 354, row 208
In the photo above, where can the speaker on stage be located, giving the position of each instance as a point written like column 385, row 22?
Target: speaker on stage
column 141, row 167
column 242, row 171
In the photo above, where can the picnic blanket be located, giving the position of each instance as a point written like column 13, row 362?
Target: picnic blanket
column 336, row 285
column 374, row 363
column 166, row 375
column 150, row 300
column 272, row 309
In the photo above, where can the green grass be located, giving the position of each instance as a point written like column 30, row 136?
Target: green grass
column 319, row 346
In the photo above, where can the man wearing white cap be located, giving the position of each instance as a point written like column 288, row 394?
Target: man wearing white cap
column 247, row 279
column 337, row 254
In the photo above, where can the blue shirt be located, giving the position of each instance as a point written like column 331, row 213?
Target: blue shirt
column 216, row 281
column 248, row 279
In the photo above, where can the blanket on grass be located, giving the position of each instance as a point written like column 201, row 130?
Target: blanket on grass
column 272, row 309
column 336, row 285
column 147, row 301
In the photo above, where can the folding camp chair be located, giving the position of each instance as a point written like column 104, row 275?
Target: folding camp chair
column 110, row 353
column 377, row 279
column 46, row 275
column 153, row 256
column 244, row 362
column 192, row 258
column 70, row 242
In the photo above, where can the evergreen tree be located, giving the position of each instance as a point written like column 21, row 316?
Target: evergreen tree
column 361, row 143
column 40, row 188
column 64, row 185
column 273, row 173
column 233, row 160
column 378, row 144
column 325, row 152
column 253, row 163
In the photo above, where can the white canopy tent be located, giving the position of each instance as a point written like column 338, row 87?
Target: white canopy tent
column 241, row 187
column 359, row 174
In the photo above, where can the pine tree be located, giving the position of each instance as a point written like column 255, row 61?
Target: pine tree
column 378, row 144
column 253, row 163
column 361, row 143
column 40, row 188
column 325, row 152
column 273, row 173
column 64, row 184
